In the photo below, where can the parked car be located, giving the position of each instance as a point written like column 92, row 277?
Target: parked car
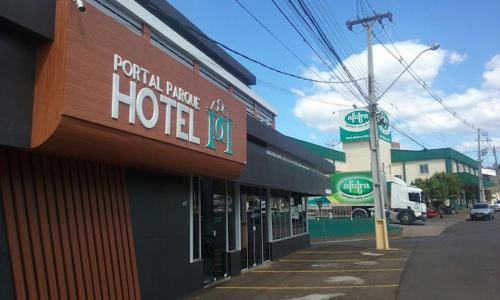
column 497, row 205
column 431, row 213
column 481, row 211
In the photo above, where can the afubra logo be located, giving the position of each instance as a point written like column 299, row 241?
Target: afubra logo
column 356, row 186
column 357, row 118
column 384, row 123
column 219, row 126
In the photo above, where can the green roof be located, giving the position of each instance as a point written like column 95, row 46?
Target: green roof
column 398, row 155
column 322, row 151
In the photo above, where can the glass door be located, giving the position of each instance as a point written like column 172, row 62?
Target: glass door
column 265, row 232
column 213, row 216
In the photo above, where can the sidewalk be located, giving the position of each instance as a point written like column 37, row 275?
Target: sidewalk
column 318, row 273
column 434, row 226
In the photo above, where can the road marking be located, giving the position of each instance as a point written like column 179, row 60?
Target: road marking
column 351, row 252
column 347, row 259
column 325, row 271
column 351, row 240
column 306, row 287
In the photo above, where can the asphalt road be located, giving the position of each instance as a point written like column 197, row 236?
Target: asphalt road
column 461, row 263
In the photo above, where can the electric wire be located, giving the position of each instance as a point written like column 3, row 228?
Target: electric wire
column 269, row 31
column 287, row 91
column 305, row 40
column 433, row 94
column 265, row 65
column 328, row 44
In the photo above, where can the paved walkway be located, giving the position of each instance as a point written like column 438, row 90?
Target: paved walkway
column 434, row 226
column 319, row 273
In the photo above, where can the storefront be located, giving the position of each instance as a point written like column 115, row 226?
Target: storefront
column 135, row 161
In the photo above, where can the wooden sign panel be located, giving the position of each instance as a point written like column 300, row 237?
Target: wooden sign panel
column 107, row 93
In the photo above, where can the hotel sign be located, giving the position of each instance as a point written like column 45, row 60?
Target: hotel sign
column 107, row 93
column 179, row 104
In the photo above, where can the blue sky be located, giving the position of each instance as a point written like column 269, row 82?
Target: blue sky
column 466, row 29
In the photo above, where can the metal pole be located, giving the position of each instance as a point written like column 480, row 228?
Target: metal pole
column 497, row 177
column 381, row 235
column 479, row 171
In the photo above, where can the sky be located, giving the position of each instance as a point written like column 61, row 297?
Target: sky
column 464, row 71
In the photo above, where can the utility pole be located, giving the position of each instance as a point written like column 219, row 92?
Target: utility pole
column 379, row 195
column 479, row 170
column 497, row 177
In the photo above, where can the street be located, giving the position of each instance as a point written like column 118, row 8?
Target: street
column 461, row 263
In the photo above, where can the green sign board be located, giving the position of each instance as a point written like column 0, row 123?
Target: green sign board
column 352, row 188
column 384, row 129
column 355, row 125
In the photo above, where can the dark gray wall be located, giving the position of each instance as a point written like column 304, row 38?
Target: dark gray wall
column 33, row 16
column 23, row 25
column 275, row 139
column 284, row 247
column 266, row 170
column 17, row 65
column 6, row 285
column 160, row 221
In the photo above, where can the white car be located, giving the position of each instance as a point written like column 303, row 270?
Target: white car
column 497, row 205
column 482, row 211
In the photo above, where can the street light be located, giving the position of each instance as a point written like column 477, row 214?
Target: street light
column 432, row 48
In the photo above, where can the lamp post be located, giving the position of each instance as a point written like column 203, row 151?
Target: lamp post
column 432, row 48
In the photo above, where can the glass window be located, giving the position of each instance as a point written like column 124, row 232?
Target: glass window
column 298, row 213
column 424, row 169
column 414, row 197
column 280, row 212
column 195, row 218
column 231, row 216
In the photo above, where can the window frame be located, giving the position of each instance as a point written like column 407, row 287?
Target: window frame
column 424, row 168
column 192, row 258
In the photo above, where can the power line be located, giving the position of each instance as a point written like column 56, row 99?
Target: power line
column 265, row 65
column 285, row 90
column 310, row 45
column 269, row 31
column 328, row 44
column 433, row 94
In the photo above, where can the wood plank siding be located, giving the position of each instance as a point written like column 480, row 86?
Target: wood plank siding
column 68, row 228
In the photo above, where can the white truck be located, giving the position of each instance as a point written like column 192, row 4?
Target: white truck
column 406, row 204
column 354, row 190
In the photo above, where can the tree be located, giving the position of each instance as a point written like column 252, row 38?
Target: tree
column 424, row 185
column 455, row 186
column 440, row 187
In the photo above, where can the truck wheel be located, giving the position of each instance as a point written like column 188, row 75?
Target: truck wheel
column 406, row 218
column 359, row 213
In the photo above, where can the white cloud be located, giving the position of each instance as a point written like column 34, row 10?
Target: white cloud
column 407, row 101
column 492, row 75
column 313, row 137
column 456, row 58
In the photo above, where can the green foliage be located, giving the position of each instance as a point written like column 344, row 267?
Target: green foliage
column 440, row 187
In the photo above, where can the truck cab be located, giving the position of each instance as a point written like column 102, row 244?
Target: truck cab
column 406, row 203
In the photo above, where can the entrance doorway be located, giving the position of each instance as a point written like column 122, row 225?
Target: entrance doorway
column 254, row 226
column 213, row 215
